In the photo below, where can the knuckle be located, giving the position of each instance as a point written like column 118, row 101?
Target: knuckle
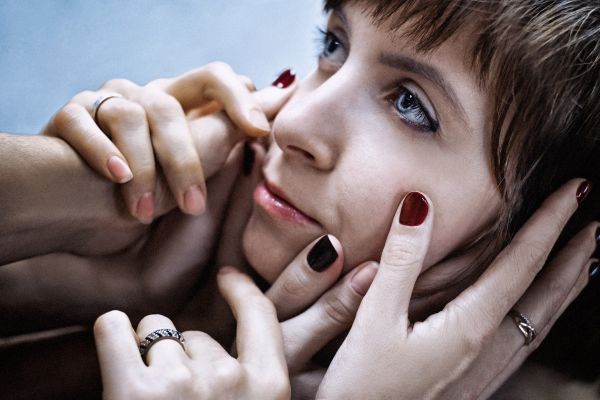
column 108, row 322
column 337, row 311
column 261, row 304
column 123, row 112
column 298, row 285
column 277, row 386
column 68, row 115
column 228, row 374
column 401, row 252
column 162, row 104
column 119, row 84
column 218, row 68
column 83, row 95
column 529, row 253
column 180, row 164
column 179, row 378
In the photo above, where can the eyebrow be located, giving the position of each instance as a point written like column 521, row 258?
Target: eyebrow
column 427, row 71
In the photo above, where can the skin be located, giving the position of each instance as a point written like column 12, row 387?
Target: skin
column 324, row 158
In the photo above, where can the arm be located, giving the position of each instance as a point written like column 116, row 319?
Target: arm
column 52, row 201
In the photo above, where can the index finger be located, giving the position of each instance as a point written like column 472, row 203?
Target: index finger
column 117, row 347
column 511, row 273
column 217, row 81
column 259, row 339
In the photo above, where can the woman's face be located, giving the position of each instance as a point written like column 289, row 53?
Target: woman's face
column 374, row 121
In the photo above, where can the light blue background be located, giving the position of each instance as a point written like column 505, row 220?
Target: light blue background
column 50, row 50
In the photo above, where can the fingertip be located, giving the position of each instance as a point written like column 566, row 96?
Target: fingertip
column 414, row 209
column 194, row 200
column 362, row 279
column 259, row 122
column 119, row 169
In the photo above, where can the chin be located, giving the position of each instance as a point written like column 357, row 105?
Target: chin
column 267, row 254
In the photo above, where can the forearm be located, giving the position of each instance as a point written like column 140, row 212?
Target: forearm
column 51, row 201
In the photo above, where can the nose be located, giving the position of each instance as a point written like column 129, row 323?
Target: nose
column 310, row 129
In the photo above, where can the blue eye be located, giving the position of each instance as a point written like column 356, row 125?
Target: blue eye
column 331, row 47
column 412, row 111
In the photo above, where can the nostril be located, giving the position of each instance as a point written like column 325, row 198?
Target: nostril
column 304, row 153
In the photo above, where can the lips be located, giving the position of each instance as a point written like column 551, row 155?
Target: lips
column 274, row 202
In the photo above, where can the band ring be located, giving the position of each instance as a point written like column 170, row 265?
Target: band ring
column 99, row 101
column 524, row 325
column 157, row 336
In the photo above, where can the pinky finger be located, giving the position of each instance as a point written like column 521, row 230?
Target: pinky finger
column 74, row 125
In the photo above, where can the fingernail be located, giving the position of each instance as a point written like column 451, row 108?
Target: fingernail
column 259, row 120
column 414, row 209
column 583, row 190
column 193, row 200
column 248, row 162
column 119, row 169
column 145, row 207
column 227, row 270
column 322, row 255
column 362, row 280
column 597, row 251
column 594, row 269
column 285, row 79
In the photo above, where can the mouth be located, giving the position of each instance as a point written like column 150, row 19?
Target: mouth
column 274, row 202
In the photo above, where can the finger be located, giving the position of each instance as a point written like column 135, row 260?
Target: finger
column 217, row 81
column 306, row 384
column 401, row 260
column 73, row 124
column 173, row 270
column 203, row 348
column 552, row 291
column 214, row 148
column 240, row 207
column 163, row 353
column 117, row 347
column 307, row 333
column 505, row 281
column 258, row 337
column 174, row 149
column 126, row 123
column 308, row 276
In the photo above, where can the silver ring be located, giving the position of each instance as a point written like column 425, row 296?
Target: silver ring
column 157, row 336
column 524, row 325
column 99, row 101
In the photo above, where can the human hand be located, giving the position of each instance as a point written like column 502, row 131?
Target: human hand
column 471, row 346
column 204, row 369
column 166, row 119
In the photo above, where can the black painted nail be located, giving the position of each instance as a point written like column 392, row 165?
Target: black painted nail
column 594, row 269
column 597, row 251
column 248, row 162
column 322, row 255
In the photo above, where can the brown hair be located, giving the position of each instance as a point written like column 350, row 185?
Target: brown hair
column 541, row 61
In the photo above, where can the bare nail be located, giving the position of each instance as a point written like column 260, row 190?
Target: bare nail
column 259, row 120
column 193, row 200
column 362, row 280
column 119, row 169
column 145, row 207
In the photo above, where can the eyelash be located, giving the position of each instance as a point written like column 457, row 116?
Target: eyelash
column 428, row 124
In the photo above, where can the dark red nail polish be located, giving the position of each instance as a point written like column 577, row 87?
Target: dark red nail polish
column 583, row 190
column 248, row 161
column 286, row 78
column 414, row 209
